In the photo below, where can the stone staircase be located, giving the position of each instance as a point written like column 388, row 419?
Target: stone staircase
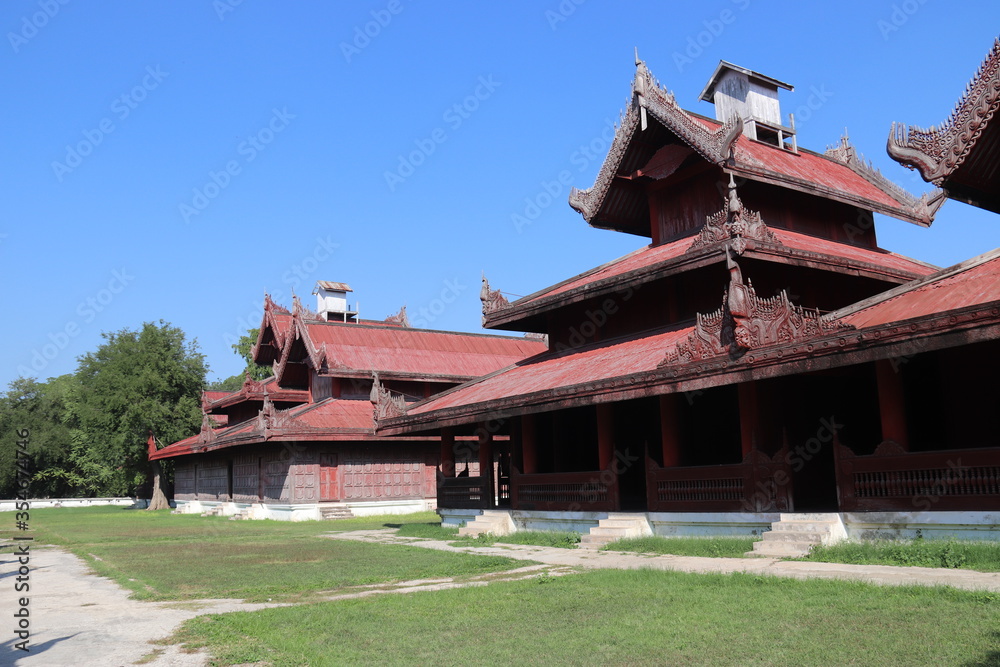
column 331, row 512
column 213, row 511
column 495, row 522
column 615, row 527
column 241, row 515
column 793, row 535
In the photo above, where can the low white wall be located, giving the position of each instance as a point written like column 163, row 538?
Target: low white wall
column 303, row 512
column 41, row 503
column 710, row 524
column 929, row 525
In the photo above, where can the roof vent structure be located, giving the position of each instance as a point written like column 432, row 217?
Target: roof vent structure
column 735, row 90
column 331, row 302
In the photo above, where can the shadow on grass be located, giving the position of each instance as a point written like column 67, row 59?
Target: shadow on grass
column 991, row 659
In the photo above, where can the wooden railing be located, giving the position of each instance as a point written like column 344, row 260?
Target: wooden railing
column 593, row 491
column 464, row 492
column 895, row 480
column 758, row 484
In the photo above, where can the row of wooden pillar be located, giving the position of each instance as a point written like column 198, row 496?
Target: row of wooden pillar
column 753, row 419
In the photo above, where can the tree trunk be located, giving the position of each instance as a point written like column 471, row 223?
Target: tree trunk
column 158, row 500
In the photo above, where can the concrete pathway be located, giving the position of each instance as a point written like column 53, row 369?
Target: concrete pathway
column 593, row 559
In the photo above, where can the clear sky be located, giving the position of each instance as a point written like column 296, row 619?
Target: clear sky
column 177, row 160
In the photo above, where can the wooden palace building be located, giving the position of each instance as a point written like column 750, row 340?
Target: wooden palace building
column 762, row 356
column 301, row 444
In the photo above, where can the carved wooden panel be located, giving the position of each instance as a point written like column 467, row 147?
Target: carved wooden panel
column 305, row 481
column 329, row 480
column 213, row 482
column 275, row 477
column 245, row 478
column 368, row 474
column 184, row 487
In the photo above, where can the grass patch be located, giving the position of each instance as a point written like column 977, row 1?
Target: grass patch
column 538, row 538
column 431, row 530
column 711, row 547
column 621, row 617
column 160, row 556
column 980, row 556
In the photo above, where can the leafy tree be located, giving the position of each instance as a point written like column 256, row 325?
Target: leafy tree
column 134, row 382
column 44, row 409
column 244, row 348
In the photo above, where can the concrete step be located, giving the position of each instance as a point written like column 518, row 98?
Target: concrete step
column 495, row 522
column 794, row 536
column 825, row 517
column 780, row 549
column 803, row 526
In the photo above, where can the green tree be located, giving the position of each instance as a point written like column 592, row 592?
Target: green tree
column 244, row 348
column 44, row 409
column 134, row 382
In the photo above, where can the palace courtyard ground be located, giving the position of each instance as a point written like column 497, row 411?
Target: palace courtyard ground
column 113, row 587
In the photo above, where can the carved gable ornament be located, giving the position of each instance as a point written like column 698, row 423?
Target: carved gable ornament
column 384, row 404
column 493, row 300
column 271, row 421
column 736, row 222
column 746, row 322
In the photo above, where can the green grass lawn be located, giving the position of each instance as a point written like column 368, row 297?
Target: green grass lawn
column 713, row 547
column 160, row 556
column 639, row 617
column 980, row 556
column 544, row 538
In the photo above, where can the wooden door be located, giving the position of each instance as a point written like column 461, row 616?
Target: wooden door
column 328, row 482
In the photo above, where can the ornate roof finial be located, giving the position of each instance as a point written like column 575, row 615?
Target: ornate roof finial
column 493, row 300
column 734, row 222
column 384, row 404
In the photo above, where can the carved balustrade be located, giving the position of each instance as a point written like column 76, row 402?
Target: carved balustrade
column 590, row 491
column 758, row 484
column 464, row 492
column 892, row 479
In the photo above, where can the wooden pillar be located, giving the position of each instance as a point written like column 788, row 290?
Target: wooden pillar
column 486, row 462
column 670, row 432
column 605, row 435
column 447, row 452
column 748, row 416
column 529, row 445
column 891, row 404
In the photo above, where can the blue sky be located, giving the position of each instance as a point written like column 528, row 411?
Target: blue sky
column 175, row 161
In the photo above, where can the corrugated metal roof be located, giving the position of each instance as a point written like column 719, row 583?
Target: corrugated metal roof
column 634, row 354
column 653, row 255
column 332, row 286
column 970, row 283
column 416, row 351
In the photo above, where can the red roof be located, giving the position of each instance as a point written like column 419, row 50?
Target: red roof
column 971, row 283
column 891, row 264
column 545, row 373
column 395, row 351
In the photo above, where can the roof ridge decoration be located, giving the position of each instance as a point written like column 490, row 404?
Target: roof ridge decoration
column 267, row 320
column 746, row 321
column 302, row 312
column 735, row 221
column 270, row 420
column 493, row 300
column 649, row 96
column 384, row 404
column 207, row 435
column 399, row 318
column 923, row 208
column 937, row 151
